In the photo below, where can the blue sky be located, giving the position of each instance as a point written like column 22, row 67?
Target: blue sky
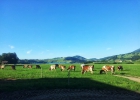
column 41, row 29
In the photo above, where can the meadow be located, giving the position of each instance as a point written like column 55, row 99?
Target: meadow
column 30, row 79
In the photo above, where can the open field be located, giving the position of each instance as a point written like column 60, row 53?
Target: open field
column 42, row 84
column 24, row 78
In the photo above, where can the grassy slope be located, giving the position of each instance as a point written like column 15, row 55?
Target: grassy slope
column 44, row 79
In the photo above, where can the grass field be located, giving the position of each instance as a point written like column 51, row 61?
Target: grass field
column 24, row 78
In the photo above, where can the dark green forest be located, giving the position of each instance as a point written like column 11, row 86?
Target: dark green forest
column 12, row 58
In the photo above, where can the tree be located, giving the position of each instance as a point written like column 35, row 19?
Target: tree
column 136, row 57
column 10, row 57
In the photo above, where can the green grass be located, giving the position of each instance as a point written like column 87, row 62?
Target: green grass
column 24, row 78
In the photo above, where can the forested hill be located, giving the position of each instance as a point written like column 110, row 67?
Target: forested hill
column 132, row 57
column 136, row 51
column 128, row 57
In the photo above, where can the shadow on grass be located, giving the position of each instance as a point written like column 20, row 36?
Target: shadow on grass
column 26, row 88
column 122, row 73
column 54, row 83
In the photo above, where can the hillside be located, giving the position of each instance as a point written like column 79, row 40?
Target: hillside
column 136, row 51
column 128, row 57
column 73, row 59
column 132, row 57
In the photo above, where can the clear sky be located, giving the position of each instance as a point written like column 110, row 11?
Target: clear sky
column 41, row 29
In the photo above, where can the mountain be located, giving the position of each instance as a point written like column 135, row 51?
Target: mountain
column 132, row 57
column 79, row 57
column 75, row 59
column 128, row 57
column 93, row 59
column 136, row 51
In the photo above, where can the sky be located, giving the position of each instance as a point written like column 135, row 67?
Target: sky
column 43, row 29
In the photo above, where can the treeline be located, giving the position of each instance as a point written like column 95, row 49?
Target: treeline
column 31, row 61
column 129, row 58
column 10, row 57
